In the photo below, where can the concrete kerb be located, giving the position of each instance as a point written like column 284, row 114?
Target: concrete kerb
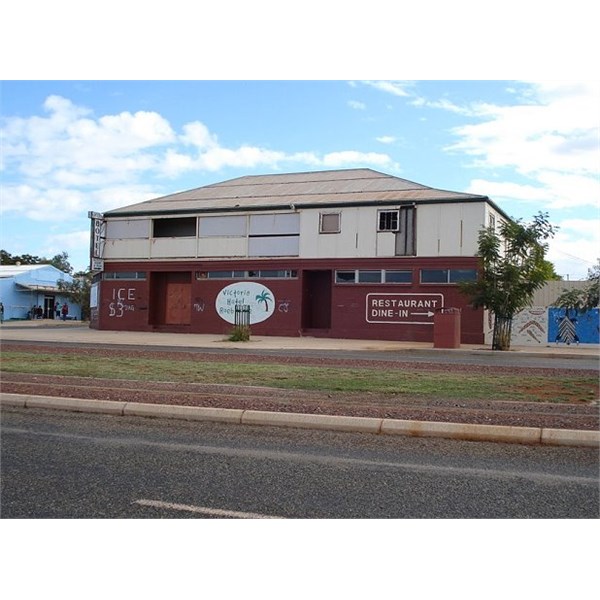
column 460, row 431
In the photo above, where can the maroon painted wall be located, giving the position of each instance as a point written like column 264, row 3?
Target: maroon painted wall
column 136, row 305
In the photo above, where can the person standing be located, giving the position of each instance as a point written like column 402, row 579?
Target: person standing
column 64, row 311
column 57, row 309
column 1, row 313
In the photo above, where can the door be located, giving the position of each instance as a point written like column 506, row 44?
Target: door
column 316, row 300
column 177, row 303
column 48, row 307
column 171, row 297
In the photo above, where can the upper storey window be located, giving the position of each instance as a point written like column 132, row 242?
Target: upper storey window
column 401, row 222
column 175, row 227
column 388, row 220
column 329, row 222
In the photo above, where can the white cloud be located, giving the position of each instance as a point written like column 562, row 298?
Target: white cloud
column 553, row 190
column 447, row 105
column 396, row 88
column 66, row 242
column 357, row 105
column 62, row 204
column 576, row 247
column 69, row 148
column 549, row 138
column 555, row 130
column 245, row 156
column 197, row 134
column 386, row 139
column 69, row 161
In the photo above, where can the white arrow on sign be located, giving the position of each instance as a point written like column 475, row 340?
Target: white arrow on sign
column 427, row 314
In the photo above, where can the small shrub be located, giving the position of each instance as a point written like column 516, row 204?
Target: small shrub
column 240, row 333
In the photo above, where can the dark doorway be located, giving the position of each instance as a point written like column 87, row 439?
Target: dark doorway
column 171, row 298
column 48, row 307
column 316, row 300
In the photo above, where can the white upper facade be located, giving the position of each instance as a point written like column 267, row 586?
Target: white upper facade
column 334, row 214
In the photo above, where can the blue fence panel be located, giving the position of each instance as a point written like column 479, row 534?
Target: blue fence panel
column 573, row 327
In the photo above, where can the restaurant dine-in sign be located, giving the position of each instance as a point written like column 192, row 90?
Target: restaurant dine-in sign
column 416, row 309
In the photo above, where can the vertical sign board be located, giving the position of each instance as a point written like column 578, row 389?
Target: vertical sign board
column 97, row 237
column 413, row 309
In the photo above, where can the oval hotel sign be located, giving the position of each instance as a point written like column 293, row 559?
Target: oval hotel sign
column 259, row 297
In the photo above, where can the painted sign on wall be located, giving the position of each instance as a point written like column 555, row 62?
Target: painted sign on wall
column 259, row 297
column 122, row 301
column 417, row 309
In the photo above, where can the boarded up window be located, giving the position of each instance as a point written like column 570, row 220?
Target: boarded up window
column 127, row 229
column 275, row 224
column 234, row 226
column 329, row 223
column 277, row 245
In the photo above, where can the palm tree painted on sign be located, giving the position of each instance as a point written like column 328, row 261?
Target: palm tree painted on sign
column 264, row 297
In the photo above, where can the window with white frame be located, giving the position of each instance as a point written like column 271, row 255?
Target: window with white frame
column 388, row 220
column 373, row 276
column 329, row 222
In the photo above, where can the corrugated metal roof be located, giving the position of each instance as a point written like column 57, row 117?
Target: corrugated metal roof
column 13, row 270
column 320, row 188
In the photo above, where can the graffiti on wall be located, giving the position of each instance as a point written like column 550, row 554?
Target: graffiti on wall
column 122, row 301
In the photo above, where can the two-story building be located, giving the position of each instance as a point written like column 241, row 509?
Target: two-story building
column 349, row 254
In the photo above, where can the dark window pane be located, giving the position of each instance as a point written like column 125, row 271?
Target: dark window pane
column 180, row 227
column 369, row 276
column 398, row 276
column 434, row 275
column 344, row 277
column 457, row 275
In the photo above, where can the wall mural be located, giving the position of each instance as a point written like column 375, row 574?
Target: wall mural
column 258, row 297
column 541, row 325
column 570, row 327
column 530, row 327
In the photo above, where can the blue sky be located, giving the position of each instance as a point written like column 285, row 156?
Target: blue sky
column 75, row 146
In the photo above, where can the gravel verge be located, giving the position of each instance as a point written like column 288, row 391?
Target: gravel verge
column 394, row 406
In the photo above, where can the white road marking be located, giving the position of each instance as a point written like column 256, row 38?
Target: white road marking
column 214, row 512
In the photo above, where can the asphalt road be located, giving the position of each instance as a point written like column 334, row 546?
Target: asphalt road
column 67, row 465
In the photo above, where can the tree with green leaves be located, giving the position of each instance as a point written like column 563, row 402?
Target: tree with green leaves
column 60, row 261
column 78, row 291
column 585, row 299
column 513, row 266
